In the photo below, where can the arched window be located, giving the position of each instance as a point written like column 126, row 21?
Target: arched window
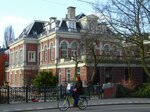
column 74, row 49
column 52, row 51
column 106, row 49
column 115, row 51
column 64, row 50
column 45, row 53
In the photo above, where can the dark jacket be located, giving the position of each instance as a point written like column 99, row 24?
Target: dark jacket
column 79, row 86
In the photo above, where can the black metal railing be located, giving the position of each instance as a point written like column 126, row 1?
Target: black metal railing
column 30, row 94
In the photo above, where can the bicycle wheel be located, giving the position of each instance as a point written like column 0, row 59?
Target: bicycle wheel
column 82, row 103
column 63, row 104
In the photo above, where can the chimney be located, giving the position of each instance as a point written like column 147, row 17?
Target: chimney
column 52, row 19
column 71, row 12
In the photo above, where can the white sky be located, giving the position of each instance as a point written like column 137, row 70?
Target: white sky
column 20, row 13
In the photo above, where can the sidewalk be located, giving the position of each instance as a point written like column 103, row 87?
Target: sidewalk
column 53, row 104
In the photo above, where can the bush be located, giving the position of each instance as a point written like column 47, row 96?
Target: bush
column 45, row 78
column 121, row 91
column 142, row 90
column 126, row 88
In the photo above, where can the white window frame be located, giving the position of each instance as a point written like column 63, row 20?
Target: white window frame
column 52, row 51
column 106, row 49
column 74, row 49
column 45, row 53
column 16, row 57
column 12, row 59
column 67, row 75
column 31, row 56
column 10, row 78
column 64, row 50
column 115, row 51
column 78, row 70
column 21, row 56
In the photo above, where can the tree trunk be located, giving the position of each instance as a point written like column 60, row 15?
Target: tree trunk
column 144, row 62
column 94, row 70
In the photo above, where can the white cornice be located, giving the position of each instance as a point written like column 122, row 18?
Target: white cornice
column 68, row 34
column 24, row 40
column 31, row 40
column 59, row 34
column 62, row 66
column 47, row 37
column 16, row 43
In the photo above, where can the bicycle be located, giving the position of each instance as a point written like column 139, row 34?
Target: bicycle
column 64, row 104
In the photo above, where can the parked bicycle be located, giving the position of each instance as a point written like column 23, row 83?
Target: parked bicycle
column 64, row 104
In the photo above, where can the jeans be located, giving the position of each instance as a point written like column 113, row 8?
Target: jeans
column 76, row 98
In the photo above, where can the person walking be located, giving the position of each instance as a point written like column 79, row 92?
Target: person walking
column 77, row 90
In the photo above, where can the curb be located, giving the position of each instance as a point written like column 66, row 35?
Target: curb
column 91, row 104
column 120, row 103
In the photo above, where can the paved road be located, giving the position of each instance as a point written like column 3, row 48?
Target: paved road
column 53, row 104
column 104, row 108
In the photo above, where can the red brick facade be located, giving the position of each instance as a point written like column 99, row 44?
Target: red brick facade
column 4, row 59
column 25, row 73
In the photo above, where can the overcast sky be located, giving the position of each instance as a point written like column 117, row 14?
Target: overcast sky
column 20, row 13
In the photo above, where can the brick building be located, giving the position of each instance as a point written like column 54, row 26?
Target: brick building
column 3, row 63
column 47, row 45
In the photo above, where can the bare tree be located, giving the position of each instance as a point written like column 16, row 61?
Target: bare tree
column 89, row 39
column 129, row 19
column 8, row 35
column 77, row 60
column 91, row 36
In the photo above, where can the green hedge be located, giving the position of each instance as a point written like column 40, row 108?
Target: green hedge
column 121, row 91
column 142, row 90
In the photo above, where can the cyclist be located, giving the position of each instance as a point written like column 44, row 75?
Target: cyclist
column 77, row 90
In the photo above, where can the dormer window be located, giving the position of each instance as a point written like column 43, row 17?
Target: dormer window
column 53, row 25
column 71, row 25
column 47, row 27
column 52, row 22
